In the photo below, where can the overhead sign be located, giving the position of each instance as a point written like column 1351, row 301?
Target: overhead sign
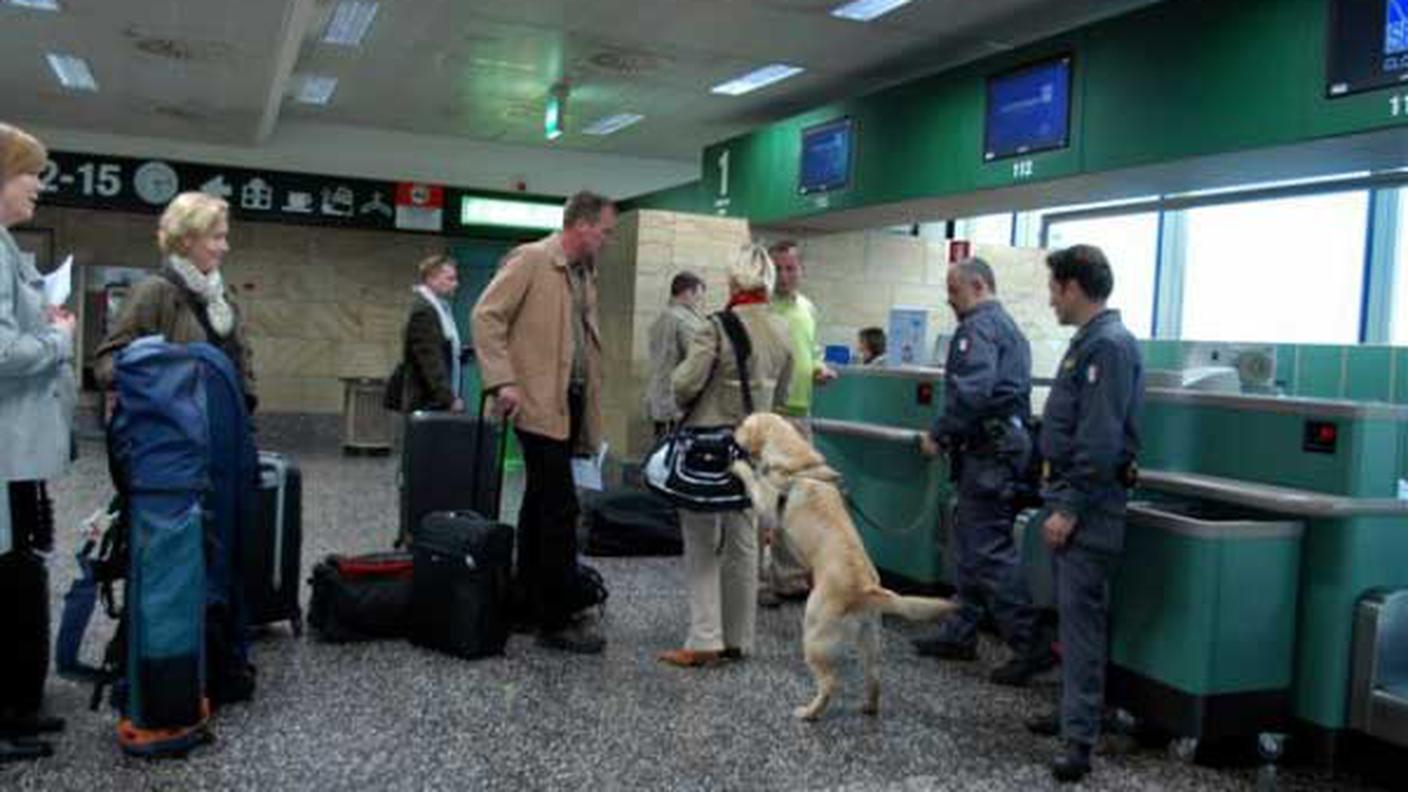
column 126, row 184
column 97, row 181
column 475, row 211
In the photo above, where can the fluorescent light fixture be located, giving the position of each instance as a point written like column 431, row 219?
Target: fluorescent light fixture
column 615, row 123
column 552, row 118
column 316, row 89
column 37, row 5
column 350, row 22
column 72, row 72
column 758, row 78
column 510, row 214
column 866, row 10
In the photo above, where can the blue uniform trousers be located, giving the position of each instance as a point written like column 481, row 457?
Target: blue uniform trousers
column 989, row 564
column 1082, row 577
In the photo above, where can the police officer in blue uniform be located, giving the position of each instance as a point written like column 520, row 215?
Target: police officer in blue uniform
column 1089, row 437
column 987, row 399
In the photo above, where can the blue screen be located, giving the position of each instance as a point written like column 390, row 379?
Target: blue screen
column 826, row 157
column 1395, row 27
column 1028, row 110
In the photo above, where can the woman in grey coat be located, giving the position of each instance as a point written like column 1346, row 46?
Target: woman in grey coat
column 37, row 393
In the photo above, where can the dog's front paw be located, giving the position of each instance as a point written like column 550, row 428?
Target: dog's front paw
column 742, row 469
column 805, row 713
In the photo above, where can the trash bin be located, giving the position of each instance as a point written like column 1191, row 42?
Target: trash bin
column 367, row 426
column 1203, row 619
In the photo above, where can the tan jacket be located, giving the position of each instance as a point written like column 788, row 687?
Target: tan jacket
column 158, row 307
column 769, row 369
column 523, row 336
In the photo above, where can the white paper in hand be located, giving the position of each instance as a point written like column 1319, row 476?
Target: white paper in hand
column 586, row 471
column 58, row 285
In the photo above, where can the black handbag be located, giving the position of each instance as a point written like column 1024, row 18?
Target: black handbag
column 691, row 465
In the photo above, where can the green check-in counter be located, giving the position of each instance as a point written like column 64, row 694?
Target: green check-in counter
column 866, row 423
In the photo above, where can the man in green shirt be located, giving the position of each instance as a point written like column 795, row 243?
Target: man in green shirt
column 785, row 577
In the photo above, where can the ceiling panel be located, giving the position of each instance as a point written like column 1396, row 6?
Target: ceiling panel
column 209, row 70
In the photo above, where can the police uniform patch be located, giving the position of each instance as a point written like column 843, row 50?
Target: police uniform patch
column 1092, row 374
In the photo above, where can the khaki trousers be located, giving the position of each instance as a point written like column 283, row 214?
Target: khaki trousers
column 721, row 578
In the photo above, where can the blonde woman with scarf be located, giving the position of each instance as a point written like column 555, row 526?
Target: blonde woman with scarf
column 721, row 549
column 187, row 300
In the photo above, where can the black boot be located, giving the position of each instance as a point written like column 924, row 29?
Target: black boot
column 1073, row 764
column 1045, row 725
column 12, row 725
column 944, row 649
column 1017, row 671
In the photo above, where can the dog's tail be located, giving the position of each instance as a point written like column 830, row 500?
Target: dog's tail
column 912, row 608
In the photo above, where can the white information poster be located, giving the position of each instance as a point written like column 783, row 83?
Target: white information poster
column 908, row 343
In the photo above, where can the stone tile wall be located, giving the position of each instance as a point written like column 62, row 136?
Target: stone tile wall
column 320, row 304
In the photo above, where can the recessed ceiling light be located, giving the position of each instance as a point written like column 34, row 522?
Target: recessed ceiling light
column 866, row 10
column 758, row 78
column 37, row 5
column 350, row 22
column 316, row 89
column 615, row 123
column 72, row 72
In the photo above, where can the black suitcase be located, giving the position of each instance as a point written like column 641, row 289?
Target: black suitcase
column 631, row 523
column 451, row 462
column 461, row 591
column 24, row 623
column 273, row 548
column 360, row 598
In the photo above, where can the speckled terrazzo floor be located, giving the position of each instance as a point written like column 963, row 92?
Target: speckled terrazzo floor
column 391, row 716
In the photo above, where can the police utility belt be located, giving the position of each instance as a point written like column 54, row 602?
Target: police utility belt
column 1127, row 475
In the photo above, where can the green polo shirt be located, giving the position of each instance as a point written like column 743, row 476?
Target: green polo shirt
column 800, row 315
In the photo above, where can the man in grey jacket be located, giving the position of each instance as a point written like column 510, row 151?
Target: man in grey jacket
column 670, row 334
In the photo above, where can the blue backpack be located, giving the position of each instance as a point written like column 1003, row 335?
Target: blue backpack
column 182, row 458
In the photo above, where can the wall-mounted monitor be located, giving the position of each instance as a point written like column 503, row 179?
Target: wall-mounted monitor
column 1028, row 110
column 1367, row 47
column 827, row 151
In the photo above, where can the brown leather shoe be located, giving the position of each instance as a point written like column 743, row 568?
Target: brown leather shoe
column 691, row 658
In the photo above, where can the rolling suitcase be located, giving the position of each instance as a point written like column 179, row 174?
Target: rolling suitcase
column 451, row 462
column 274, row 545
column 461, row 585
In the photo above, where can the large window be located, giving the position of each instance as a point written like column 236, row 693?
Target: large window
column 993, row 229
column 1287, row 270
column 1131, row 243
column 1398, row 304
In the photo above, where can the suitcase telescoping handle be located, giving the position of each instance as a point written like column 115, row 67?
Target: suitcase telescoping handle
column 500, row 455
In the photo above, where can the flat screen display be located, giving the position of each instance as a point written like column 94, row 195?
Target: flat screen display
column 1368, row 46
column 1029, row 109
column 827, row 150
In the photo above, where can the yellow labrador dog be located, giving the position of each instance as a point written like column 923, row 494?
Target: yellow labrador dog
column 846, row 600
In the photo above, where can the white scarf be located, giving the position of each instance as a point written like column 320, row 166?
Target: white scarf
column 448, row 328
column 210, row 288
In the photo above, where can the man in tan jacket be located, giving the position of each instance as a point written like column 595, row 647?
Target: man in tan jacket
column 535, row 327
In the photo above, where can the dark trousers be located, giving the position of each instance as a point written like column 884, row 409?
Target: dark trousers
column 547, row 523
column 24, row 601
column 1083, row 605
column 989, row 565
